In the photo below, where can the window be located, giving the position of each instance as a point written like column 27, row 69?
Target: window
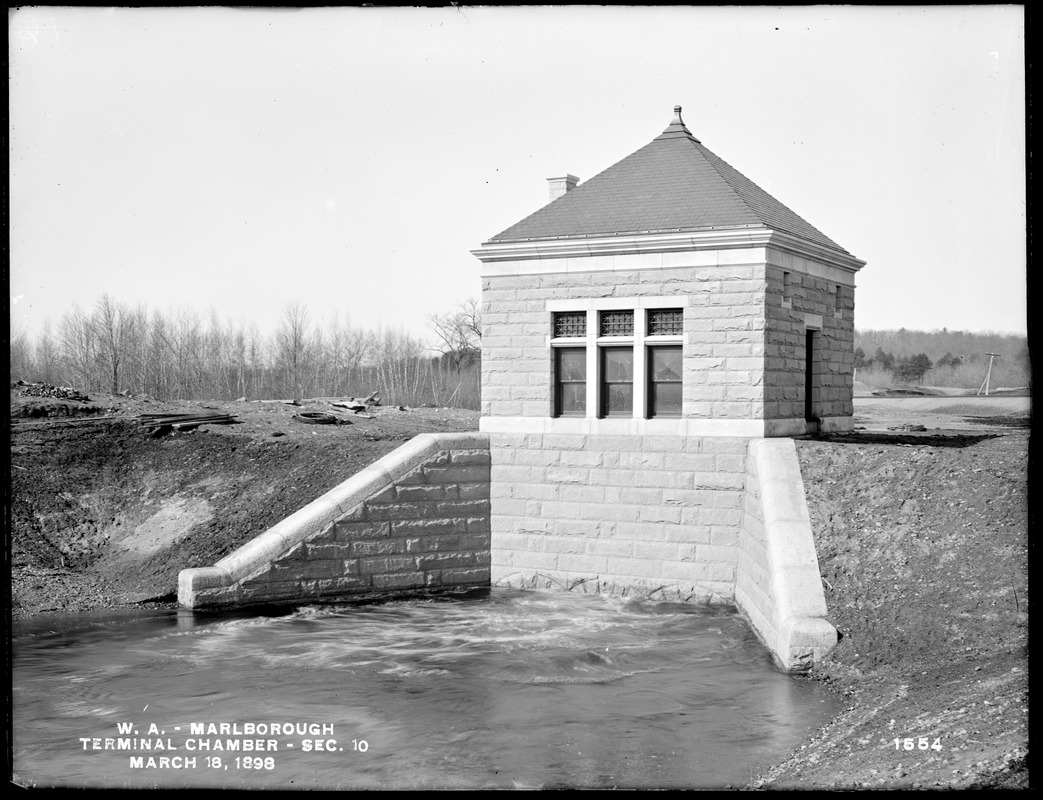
column 617, row 358
column 570, row 381
column 664, row 381
column 617, row 381
column 665, row 322
column 616, row 323
column 570, row 324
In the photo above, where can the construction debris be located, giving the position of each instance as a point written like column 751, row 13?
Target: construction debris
column 46, row 390
column 320, row 418
column 62, row 421
column 164, row 423
column 357, row 404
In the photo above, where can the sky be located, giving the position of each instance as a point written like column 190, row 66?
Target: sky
column 236, row 160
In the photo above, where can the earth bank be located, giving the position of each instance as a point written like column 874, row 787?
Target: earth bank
column 922, row 543
column 105, row 512
column 923, row 550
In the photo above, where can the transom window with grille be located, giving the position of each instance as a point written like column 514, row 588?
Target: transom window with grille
column 616, row 323
column 665, row 322
column 570, row 324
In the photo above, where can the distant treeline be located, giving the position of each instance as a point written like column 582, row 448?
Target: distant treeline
column 183, row 355
column 941, row 358
column 114, row 348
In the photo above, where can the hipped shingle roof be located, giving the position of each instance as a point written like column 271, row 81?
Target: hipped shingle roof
column 672, row 183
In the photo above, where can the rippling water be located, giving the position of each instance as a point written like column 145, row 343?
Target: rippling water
column 510, row 689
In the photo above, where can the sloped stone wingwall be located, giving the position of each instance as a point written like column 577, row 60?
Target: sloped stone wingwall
column 777, row 584
column 416, row 519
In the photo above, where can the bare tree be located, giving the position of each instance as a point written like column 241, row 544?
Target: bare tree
column 139, row 351
column 157, row 380
column 21, row 356
column 77, row 348
column 256, row 354
column 292, row 344
column 237, row 354
column 458, row 336
column 359, row 347
column 46, row 355
column 458, row 333
column 335, row 357
column 110, row 328
column 182, row 338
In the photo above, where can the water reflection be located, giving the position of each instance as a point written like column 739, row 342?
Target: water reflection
column 509, row 690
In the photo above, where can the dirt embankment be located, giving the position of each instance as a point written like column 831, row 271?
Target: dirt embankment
column 922, row 545
column 106, row 513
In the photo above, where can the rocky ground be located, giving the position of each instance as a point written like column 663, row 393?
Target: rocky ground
column 922, row 539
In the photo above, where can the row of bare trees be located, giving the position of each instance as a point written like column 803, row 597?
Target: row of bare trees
column 182, row 355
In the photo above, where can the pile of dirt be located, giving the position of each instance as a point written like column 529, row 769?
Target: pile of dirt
column 922, row 546
column 105, row 513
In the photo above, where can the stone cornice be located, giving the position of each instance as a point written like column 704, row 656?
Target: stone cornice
column 789, row 243
column 672, row 242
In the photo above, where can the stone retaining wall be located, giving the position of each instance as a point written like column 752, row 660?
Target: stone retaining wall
column 416, row 519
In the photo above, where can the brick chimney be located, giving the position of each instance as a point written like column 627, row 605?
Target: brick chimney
column 559, row 186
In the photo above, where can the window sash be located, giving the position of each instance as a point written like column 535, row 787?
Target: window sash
column 570, row 381
column 665, row 365
column 617, row 381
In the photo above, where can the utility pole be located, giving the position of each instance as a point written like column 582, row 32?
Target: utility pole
column 985, row 383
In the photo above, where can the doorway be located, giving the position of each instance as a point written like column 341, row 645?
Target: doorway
column 810, row 337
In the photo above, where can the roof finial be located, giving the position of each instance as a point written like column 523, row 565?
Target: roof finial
column 676, row 128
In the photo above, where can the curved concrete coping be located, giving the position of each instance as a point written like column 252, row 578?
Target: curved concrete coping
column 804, row 635
column 323, row 511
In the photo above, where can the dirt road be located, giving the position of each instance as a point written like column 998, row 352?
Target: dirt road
column 942, row 413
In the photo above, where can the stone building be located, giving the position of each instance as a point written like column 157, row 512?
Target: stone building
column 644, row 336
column 639, row 332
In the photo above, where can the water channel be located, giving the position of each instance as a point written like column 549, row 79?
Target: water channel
column 506, row 689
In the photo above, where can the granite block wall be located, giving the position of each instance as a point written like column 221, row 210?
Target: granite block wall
column 724, row 341
column 655, row 515
column 832, row 306
column 418, row 519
